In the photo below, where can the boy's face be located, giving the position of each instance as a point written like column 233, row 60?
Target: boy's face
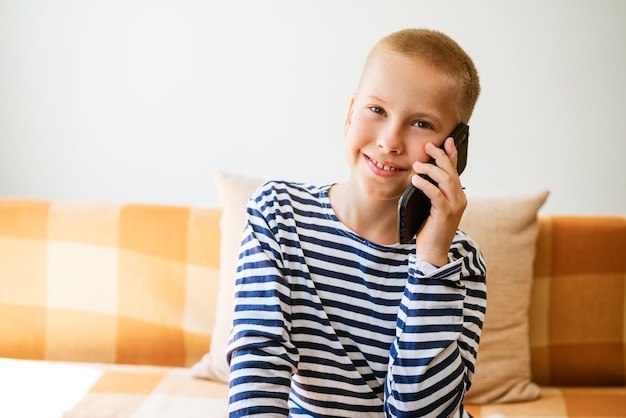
column 401, row 104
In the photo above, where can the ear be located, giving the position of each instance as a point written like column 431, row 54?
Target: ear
column 349, row 116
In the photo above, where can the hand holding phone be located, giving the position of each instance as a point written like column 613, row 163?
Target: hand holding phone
column 414, row 206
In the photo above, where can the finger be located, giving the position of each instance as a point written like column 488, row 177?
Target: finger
column 451, row 151
column 435, row 172
column 442, row 155
column 446, row 184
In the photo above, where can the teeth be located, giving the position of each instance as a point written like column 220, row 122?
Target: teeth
column 383, row 167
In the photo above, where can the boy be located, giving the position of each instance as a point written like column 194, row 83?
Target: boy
column 334, row 317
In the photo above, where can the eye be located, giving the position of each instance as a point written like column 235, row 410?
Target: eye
column 422, row 124
column 379, row 110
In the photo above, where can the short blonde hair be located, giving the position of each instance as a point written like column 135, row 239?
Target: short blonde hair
column 445, row 54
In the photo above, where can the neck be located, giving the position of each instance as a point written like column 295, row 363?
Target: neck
column 374, row 220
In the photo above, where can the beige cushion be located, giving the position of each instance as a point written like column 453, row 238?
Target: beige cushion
column 504, row 227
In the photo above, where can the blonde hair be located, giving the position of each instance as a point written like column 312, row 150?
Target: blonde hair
column 442, row 52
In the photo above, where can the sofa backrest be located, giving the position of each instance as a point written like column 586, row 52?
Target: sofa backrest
column 578, row 303
column 138, row 283
column 107, row 283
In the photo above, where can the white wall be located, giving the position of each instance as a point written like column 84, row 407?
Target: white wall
column 141, row 100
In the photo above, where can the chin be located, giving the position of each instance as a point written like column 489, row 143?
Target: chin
column 379, row 189
column 384, row 194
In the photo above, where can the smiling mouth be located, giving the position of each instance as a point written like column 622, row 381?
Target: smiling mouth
column 382, row 166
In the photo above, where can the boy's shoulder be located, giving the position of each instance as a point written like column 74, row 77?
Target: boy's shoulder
column 289, row 196
column 278, row 200
column 289, row 190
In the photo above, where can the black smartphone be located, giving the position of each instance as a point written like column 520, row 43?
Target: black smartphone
column 414, row 206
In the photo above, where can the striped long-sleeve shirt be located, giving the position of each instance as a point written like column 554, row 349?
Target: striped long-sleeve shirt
column 328, row 324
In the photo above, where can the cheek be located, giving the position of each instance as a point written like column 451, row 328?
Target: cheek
column 356, row 140
column 416, row 152
column 360, row 131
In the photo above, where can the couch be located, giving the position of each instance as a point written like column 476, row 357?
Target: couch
column 122, row 310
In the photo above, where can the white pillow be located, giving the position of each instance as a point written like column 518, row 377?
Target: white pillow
column 233, row 193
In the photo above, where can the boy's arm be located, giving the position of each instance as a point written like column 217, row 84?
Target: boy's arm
column 439, row 324
column 448, row 202
column 261, row 356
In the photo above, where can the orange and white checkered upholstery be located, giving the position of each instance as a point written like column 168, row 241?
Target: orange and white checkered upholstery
column 50, row 389
column 577, row 321
column 578, row 305
column 108, row 283
column 100, row 284
column 560, row 402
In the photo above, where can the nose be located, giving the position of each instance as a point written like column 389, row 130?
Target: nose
column 390, row 140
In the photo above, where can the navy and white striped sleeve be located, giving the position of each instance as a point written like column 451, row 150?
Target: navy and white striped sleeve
column 262, row 358
column 438, row 329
